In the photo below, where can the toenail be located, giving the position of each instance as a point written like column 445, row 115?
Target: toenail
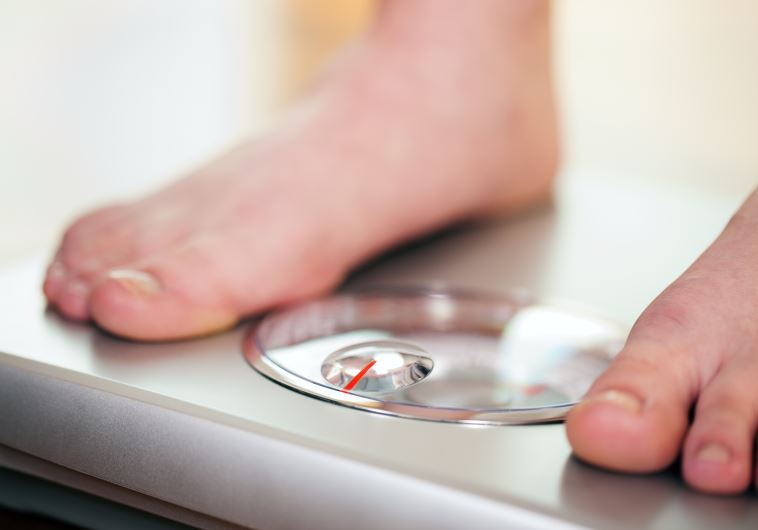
column 136, row 282
column 713, row 452
column 625, row 400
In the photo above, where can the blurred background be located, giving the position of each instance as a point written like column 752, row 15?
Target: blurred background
column 104, row 100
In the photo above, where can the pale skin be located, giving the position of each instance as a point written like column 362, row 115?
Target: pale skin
column 441, row 99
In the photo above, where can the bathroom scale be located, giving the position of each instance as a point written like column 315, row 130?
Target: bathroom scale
column 427, row 392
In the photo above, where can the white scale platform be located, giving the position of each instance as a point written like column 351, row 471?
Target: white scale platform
column 191, row 431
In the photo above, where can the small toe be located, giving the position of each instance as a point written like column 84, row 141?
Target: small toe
column 718, row 452
column 55, row 279
column 72, row 300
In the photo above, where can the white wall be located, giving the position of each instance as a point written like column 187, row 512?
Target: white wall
column 103, row 99
column 661, row 89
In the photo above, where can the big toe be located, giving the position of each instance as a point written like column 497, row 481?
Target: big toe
column 636, row 414
column 199, row 287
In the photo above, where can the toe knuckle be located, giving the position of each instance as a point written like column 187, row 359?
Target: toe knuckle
column 85, row 224
column 74, row 233
column 664, row 318
column 76, row 254
column 730, row 406
column 69, row 252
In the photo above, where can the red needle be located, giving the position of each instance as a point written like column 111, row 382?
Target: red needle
column 354, row 381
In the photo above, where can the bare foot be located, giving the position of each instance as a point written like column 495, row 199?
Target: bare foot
column 695, row 346
column 443, row 112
